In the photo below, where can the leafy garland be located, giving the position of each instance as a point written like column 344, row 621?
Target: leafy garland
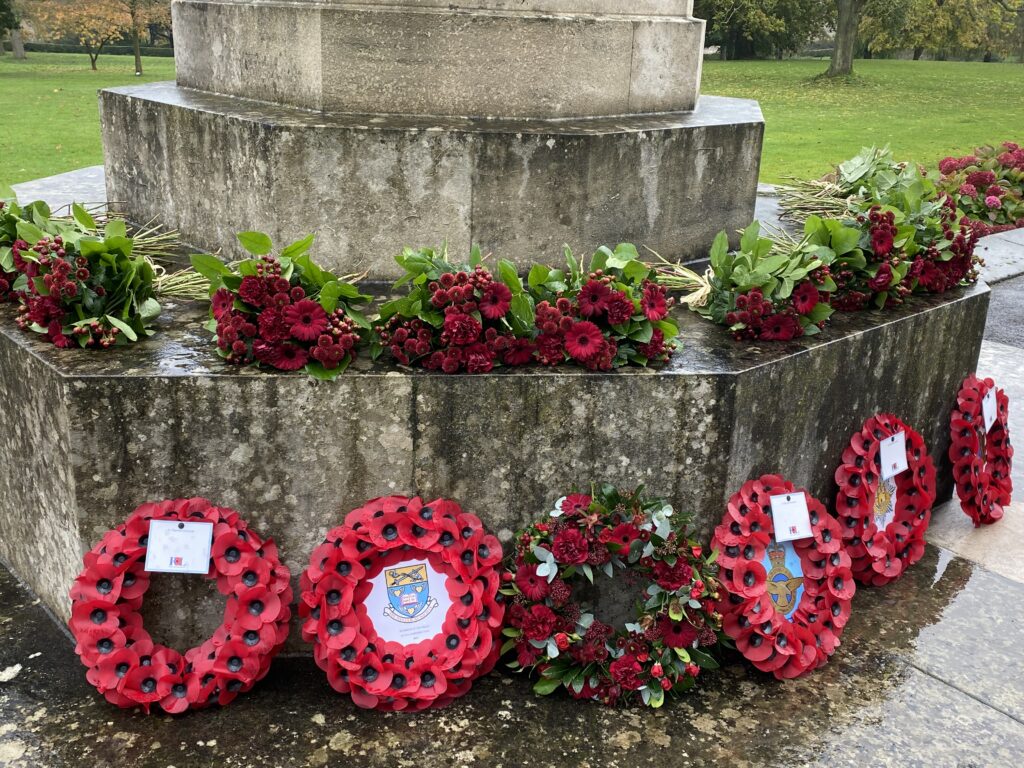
column 619, row 535
column 285, row 311
column 982, row 463
column 884, row 521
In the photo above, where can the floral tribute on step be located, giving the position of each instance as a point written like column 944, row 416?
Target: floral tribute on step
column 884, row 503
column 401, row 603
column 127, row 667
column 785, row 600
column 980, row 450
column 553, row 630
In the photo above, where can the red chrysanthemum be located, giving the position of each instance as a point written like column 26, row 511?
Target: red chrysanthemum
column 584, row 341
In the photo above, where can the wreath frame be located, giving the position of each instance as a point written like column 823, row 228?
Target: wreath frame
column 661, row 653
column 984, row 484
column 124, row 663
column 881, row 556
column 785, row 647
column 346, row 645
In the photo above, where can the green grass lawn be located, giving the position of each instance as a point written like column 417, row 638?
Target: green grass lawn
column 924, row 109
column 49, row 117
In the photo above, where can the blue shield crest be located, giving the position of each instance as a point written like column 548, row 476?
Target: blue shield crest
column 408, row 592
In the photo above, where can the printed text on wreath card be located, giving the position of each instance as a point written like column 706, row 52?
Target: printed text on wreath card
column 178, row 547
column 892, row 455
column 790, row 517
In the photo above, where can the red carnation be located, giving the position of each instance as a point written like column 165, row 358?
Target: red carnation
column 306, row 320
column 882, row 278
column 519, row 352
column 626, row 672
column 570, row 547
column 584, row 340
column 654, row 304
column 620, row 308
column 496, row 301
column 539, row 622
column 272, row 325
column 780, row 328
column 534, row 587
column 672, row 577
column 253, row 291
column 461, row 329
column 805, row 297
column 594, row 298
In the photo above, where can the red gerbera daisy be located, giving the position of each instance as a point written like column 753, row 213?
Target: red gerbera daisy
column 805, row 297
column 654, row 304
column 222, row 302
column 677, row 634
column 284, row 357
column 496, row 301
column 534, row 587
column 594, row 298
column 576, row 502
column 780, row 328
column 306, row 320
column 584, row 340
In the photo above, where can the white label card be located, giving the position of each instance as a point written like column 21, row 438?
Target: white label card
column 178, row 547
column 988, row 409
column 408, row 602
column 790, row 517
column 892, row 455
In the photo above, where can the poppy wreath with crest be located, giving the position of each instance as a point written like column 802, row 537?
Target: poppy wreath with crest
column 124, row 663
column 381, row 539
column 884, row 521
column 981, row 462
column 553, row 629
column 782, row 622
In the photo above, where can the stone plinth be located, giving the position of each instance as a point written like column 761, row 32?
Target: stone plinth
column 534, row 59
column 86, row 437
column 210, row 166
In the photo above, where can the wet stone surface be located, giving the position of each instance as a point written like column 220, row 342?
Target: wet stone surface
column 928, row 675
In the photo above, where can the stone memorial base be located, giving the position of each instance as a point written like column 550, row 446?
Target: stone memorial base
column 210, row 166
column 87, row 436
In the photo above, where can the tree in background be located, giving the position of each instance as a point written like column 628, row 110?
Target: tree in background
column 848, row 13
column 97, row 23
column 750, row 28
column 10, row 23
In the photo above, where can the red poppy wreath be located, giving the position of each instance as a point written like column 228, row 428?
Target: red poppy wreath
column 124, row 663
column 553, row 629
column 784, row 604
column 884, row 519
column 401, row 603
column 981, row 460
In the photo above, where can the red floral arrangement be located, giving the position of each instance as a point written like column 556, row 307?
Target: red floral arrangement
column 124, row 663
column 553, row 632
column 988, row 186
column 610, row 313
column 884, row 521
column 457, row 319
column 783, row 622
column 981, row 461
column 378, row 541
column 283, row 312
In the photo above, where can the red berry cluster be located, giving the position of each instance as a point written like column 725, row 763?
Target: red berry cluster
column 473, row 336
column 884, row 521
column 389, row 675
column 786, row 647
column 124, row 663
column 279, row 325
